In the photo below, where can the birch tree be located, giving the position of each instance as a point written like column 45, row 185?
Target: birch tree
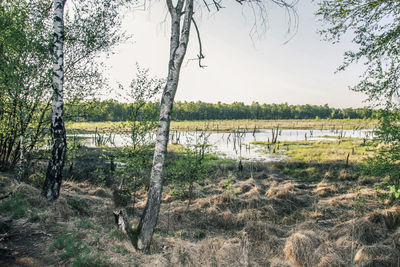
column 52, row 184
column 95, row 27
column 26, row 65
column 181, row 15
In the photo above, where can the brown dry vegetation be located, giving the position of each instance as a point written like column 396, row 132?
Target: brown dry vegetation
column 330, row 222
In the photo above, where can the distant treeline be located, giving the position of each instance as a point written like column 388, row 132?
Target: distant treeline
column 111, row 110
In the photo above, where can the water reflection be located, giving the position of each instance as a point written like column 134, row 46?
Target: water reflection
column 236, row 144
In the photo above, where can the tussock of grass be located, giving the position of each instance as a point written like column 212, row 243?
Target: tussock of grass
column 388, row 217
column 325, row 189
column 300, row 248
column 377, row 255
column 331, row 259
column 357, row 232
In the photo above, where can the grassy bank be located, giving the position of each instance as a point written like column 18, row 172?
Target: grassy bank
column 317, row 159
column 230, row 125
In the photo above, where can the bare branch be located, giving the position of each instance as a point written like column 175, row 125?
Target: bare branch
column 179, row 6
column 217, row 5
column 206, row 4
column 200, row 56
column 170, row 7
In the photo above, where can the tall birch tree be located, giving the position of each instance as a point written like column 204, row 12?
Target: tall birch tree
column 93, row 28
column 52, row 184
column 181, row 15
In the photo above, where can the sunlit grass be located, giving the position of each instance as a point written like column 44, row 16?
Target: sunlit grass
column 322, row 151
column 230, row 125
column 103, row 126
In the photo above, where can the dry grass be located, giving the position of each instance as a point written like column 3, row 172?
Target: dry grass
column 325, row 189
column 388, row 217
column 55, row 210
column 300, row 248
column 288, row 223
column 357, row 232
column 377, row 255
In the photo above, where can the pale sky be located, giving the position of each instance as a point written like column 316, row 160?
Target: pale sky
column 238, row 68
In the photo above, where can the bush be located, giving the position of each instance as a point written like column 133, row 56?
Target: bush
column 189, row 166
column 386, row 161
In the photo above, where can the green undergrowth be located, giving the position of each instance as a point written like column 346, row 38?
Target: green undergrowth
column 315, row 172
column 16, row 207
column 69, row 247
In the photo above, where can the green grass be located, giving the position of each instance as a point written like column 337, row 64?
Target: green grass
column 90, row 259
column 121, row 250
column 116, row 233
column 316, row 172
column 230, row 125
column 315, row 160
column 85, row 224
column 16, row 206
column 70, row 247
column 323, row 151
column 79, row 205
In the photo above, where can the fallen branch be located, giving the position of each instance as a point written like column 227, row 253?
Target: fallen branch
column 7, row 196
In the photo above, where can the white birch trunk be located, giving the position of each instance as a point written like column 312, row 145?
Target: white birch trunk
column 52, row 184
column 21, row 157
column 178, row 45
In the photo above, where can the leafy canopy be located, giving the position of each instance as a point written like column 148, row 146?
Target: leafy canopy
column 375, row 27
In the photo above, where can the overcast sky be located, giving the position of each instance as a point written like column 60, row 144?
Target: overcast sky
column 240, row 68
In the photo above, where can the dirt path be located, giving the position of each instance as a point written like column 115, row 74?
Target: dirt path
column 26, row 245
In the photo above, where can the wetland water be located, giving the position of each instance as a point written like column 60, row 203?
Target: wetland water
column 236, row 144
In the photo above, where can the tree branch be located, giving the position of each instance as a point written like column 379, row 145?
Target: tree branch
column 186, row 23
column 200, row 56
column 170, row 7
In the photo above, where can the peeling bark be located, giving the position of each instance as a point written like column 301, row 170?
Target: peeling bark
column 52, row 184
column 178, row 45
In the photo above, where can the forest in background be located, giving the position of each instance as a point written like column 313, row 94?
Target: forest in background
column 111, row 110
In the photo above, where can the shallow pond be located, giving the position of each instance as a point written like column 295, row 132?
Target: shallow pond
column 233, row 145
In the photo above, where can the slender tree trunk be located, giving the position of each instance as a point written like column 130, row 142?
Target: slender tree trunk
column 178, row 45
column 52, row 184
column 21, row 166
